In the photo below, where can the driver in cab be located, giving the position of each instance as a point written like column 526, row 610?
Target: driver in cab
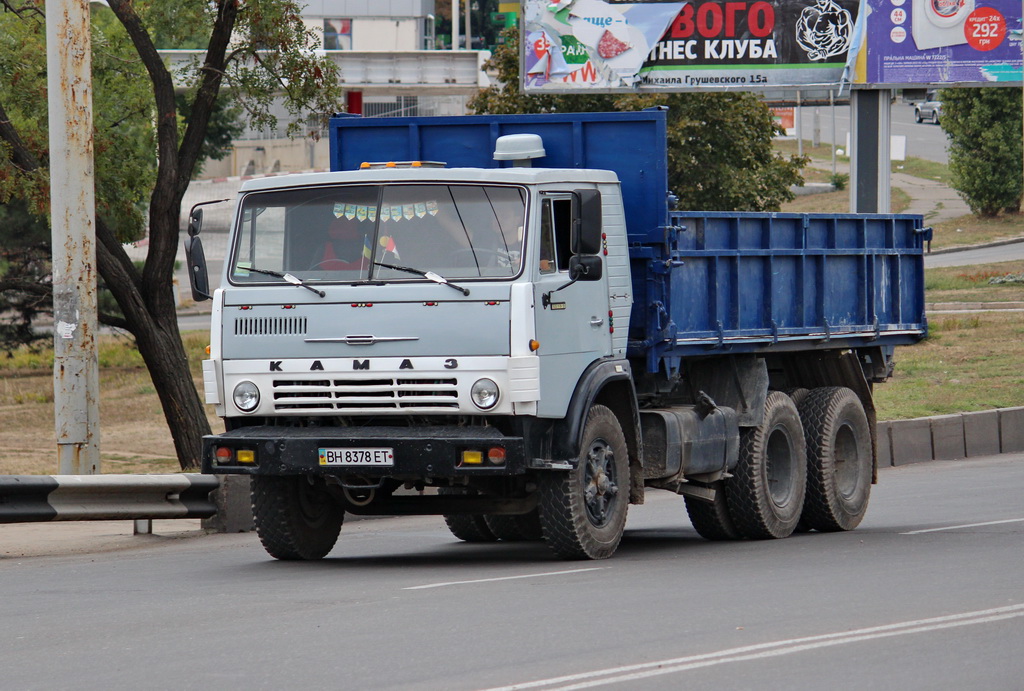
column 345, row 247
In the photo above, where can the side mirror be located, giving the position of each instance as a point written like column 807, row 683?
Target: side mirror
column 195, row 222
column 585, row 267
column 196, row 259
column 586, row 236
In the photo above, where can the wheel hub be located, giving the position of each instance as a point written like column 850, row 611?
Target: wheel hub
column 599, row 487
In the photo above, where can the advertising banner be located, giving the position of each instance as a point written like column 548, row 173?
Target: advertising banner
column 577, row 45
column 621, row 45
column 940, row 42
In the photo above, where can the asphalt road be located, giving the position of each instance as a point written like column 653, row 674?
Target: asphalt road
column 924, row 140
column 400, row 604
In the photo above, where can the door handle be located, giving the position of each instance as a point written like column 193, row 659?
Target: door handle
column 596, row 321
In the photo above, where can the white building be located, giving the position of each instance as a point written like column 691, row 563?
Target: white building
column 384, row 52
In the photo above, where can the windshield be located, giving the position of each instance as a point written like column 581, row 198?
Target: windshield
column 343, row 233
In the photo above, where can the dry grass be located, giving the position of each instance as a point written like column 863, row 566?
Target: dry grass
column 972, row 283
column 134, row 435
column 969, row 362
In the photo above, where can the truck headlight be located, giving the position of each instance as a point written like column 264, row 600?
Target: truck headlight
column 484, row 393
column 246, row 396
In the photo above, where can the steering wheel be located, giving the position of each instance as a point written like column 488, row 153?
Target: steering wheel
column 336, row 265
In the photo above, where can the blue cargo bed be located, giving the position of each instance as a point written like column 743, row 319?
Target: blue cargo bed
column 751, row 282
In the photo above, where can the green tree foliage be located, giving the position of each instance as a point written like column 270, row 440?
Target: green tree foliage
column 148, row 143
column 24, row 271
column 984, row 127
column 720, row 154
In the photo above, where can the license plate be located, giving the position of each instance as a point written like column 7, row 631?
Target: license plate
column 371, row 457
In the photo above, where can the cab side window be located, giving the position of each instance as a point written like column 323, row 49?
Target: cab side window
column 555, row 229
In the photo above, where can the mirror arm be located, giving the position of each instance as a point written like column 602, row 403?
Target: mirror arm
column 545, row 299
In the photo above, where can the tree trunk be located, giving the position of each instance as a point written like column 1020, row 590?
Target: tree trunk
column 151, row 318
column 165, row 356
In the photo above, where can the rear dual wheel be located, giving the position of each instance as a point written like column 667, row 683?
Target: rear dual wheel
column 519, row 528
column 839, row 459
column 765, row 495
column 711, row 519
column 468, row 527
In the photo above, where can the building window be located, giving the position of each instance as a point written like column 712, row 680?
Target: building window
column 337, row 34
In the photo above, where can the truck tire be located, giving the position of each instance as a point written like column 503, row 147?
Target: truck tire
column 296, row 517
column 583, row 511
column 515, row 528
column 711, row 520
column 798, row 394
column 765, row 496
column 468, row 527
column 839, row 459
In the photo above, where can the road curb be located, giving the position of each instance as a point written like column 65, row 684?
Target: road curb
column 956, row 437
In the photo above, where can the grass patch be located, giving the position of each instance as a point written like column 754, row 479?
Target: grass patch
column 923, row 168
column 974, row 230
column 839, row 202
column 972, row 283
column 967, row 363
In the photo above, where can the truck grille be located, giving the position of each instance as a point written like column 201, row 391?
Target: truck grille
column 270, row 326
column 362, row 395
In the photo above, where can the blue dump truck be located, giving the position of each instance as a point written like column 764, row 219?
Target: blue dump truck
column 502, row 320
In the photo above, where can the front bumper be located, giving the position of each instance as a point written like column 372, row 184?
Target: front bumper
column 419, row 452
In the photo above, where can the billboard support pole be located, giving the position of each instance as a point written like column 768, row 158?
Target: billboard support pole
column 799, row 126
column 869, row 150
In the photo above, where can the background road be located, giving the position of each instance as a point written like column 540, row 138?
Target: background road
column 400, row 604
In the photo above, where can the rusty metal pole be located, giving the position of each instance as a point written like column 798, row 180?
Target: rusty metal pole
column 72, row 211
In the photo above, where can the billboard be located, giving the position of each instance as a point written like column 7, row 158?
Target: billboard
column 622, row 45
column 939, row 42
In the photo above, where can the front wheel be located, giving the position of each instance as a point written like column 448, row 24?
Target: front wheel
column 766, row 493
column 296, row 517
column 917, row 116
column 583, row 511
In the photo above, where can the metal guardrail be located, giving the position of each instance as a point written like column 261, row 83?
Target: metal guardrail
column 36, row 498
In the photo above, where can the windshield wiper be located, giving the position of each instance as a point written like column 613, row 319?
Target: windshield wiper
column 286, row 276
column 429, row 275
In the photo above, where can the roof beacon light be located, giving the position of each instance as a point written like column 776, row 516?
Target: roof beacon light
column 519, row 148
column 376, row 165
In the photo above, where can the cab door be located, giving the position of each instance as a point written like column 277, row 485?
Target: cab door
column 571, row 320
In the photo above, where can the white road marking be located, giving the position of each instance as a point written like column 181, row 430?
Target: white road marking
column 966, row 525
column 503, row 578
column 625, row 673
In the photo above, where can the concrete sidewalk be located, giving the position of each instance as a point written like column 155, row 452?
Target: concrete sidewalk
column 66, row 538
